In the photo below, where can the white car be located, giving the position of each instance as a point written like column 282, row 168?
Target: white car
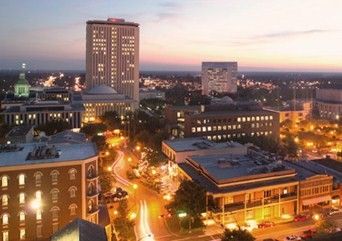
column 292, row 238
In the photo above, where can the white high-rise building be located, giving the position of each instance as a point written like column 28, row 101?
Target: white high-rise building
column 112, row 56
column 220, row 77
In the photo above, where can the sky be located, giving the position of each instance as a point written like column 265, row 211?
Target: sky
column 262, row 35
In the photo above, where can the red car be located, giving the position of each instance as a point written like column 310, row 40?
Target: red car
column 300, row 218
column 266, row 224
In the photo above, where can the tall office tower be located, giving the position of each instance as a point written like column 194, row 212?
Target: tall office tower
column 112, row 56
column 220, row 77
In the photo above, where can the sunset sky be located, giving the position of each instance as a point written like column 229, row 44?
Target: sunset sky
column 279, row 35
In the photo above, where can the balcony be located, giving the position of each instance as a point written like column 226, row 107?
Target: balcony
column 234, row 206
column 288, row 196
column 254, row 203
column 270, row 200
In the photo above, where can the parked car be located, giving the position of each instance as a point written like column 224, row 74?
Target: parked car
column 300, row 218
column 266, row 224
column 308, row 234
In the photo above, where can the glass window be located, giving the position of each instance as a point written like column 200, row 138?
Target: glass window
column 4, row 181
column 21, row 179
column 22, row 234
column 4, row 200
column 22, row 198
column 5, row 219
column 39, row 214
column 39, row 231
column 21, row 216
column 38, row 195
column 239, row 119
column 193, row 129
column 209, row 128
column 5, row 236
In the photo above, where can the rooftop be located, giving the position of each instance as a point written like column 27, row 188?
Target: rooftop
column 228, row 168
column 113, row 21
column 37, row 153
column 198, row 143
column 21, row 130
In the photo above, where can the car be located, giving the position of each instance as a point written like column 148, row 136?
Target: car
column 308, row 234
column 292, row 238
column 300, row 218
column 266, row 224
column 334, row 211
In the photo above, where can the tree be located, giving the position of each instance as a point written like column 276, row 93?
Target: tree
column 93, row 129
column 290, row 146
column 111, row 119
column 54, row 126
column 106, row 182
column 237, row 235
column 190, row 199
column 123, row 225
column 100, row 141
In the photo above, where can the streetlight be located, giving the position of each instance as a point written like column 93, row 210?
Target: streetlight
column 135, row 186
column 132, row 215
column 109, row 169
column 138, row 148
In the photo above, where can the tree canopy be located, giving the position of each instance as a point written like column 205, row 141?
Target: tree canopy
column 237, row 235
column 54, row 126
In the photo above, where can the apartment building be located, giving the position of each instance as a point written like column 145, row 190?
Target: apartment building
column 45, row 186
column 222, row 122
column 329, row 103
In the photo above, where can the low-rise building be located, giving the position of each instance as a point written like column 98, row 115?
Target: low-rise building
column 44, row 187
column 40, row 112
column 20, row 134
column 151, row 94
column 329, row 103
column 244, row 188
column 222, row 122
column 178, row 150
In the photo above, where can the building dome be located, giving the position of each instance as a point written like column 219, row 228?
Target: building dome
column 101, row 90
column 22, row 87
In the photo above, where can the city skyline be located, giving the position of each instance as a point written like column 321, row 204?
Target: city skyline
column 266, row 36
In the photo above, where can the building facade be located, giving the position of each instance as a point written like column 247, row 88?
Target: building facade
column 112, row 56
column 40, row 112
column 219, row 77
column 222, row 122
column 44, row 187
column 329, row 103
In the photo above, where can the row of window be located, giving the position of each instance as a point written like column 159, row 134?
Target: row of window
column 227, row 127
column 315, row 190
column 238, row 135
column 238, row 119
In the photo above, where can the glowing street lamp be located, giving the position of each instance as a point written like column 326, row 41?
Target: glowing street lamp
column 138, row 148
column 36, row 204
column 109, row 169
column 182, row 215
column 316, row 217
column 135, row 186
column 132, row 215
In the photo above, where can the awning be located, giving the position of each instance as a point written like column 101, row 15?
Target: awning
column 316, row 200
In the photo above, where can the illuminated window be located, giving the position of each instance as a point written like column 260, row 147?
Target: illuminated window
column 5, row 236
column 193, row 129
column 72, row 209
column 21, row 198
column 5, row 219
column 209, row 128
column 72, row 191
column 39, row 231
column 4, row 200
column 21, row 216
column 243, row 119
column 39, row 214
column 22, row 234
column 72, row 174
column 4, row 181
column 38, row 195
column 21, row 179
column 54, row 195
column 38, row 177
column 54, row 176
column 198, row 129
column 239, row 119
column 54, row 213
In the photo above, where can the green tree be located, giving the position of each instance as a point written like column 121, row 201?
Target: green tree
column 54, row 126
column 106, row 182
column 291, row 146
column 123, row 225
column 111, row 119
column 189, row 198
column 237, row 235
column 93, row 129
column 100, row 141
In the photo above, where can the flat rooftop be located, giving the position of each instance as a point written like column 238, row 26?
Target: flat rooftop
column 228, row 168
column 113, row 21
column 194, row 144
column 16, row 155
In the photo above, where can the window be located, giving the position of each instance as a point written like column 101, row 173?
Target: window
column 38, row 177
column 4, row 200
column 39, row 231
column 21, row 216
column 72, row 174
column 39, row 214
column 72, row 209
column 21, row 179
column 22, row 234
column 5, row 219
column 54, row 195
column 38, row 195
column 22, row 198
column 54, row 227
column 72, row 191
column 193, row 129
column 4, row 181
column 54, row 176
column 54, row 213
column 5, row 236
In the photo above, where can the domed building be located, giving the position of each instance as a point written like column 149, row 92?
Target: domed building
column 22, row 87
column 101, row 99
